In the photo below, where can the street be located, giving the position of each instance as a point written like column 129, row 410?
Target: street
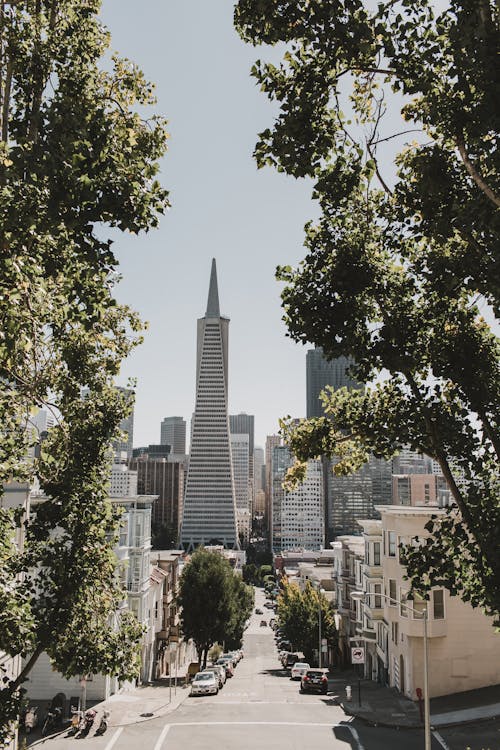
column 261, row 707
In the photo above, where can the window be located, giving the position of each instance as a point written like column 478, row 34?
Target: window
column 376, row 553
column 438, row 604
column 403, row 609
column 392, row 544
column 392, row 592
column 394, row 632
column 377, row 590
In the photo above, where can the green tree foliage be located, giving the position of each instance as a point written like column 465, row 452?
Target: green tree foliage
column 163, row 536
column 402, row 266
column 298, row 614
column 76, row 159
column 214, row 602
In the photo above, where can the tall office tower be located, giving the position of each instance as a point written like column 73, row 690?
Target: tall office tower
column 409, row 461
column 240, row 455
column 162, row 476
column 209, row 506
column 258, row 469
column 127, row 427
column 271, row 442
column 173, row 433
column 298, row 516
column 320, row 372
column 244, row 424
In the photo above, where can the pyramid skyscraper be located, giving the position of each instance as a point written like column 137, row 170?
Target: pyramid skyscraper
column 209, row 513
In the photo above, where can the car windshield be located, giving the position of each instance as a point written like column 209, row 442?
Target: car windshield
column 301, row 665
column 204, row 676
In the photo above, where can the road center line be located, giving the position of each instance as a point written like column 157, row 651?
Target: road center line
column 114, row 738
column 159, row 741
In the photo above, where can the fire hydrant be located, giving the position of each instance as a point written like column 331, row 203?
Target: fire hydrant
column 348, row 692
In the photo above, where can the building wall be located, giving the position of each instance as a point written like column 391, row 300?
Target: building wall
column 163, row 477
column 464, row 648
column 173, row 433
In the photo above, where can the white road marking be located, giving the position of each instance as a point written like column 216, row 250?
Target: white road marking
column 159, row 741
column 114, row 738
column 441, row 741
column 329, row 725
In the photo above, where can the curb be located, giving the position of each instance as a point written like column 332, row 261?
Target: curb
column 389, row 725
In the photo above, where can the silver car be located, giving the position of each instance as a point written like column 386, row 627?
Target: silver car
column 205, row 683
column 219, row 671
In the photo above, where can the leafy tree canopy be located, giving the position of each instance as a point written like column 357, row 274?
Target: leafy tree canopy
column 214, row 602
column 402, row 267
column 298, row 614
column 76, row 159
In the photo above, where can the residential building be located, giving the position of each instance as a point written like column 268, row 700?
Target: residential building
column 173, row 433
column 123, row 481
column 297, row 516
column 420, row 489
column 209, row 511
column 463, row 645
column 171, row 650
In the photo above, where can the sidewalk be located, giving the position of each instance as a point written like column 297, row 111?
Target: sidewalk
column 382, row 706
column 143, row 702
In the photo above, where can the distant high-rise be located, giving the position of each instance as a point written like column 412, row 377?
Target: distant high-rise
column 209, row 513
column 321, row 372
column 297, row 516
column 242, row 485
column 127, row 427
column 173, row 433
column 271, row 442
column 243, row 424
column 162, row 476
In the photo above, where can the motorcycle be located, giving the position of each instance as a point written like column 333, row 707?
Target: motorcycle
column 52, row 720
column 103, row 724
column 87, row 722
column 76, row 721
column 30, row 719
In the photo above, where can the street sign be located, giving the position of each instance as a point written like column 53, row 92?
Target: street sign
column 357, row 655
column 324, row 642
column 324, row 648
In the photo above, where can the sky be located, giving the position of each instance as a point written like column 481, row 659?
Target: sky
column 250, row 220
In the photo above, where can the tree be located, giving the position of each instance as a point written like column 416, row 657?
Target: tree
column 402, row 267
column 76, row 159
column 298, row 614
column 214, row 602
column 163, row 536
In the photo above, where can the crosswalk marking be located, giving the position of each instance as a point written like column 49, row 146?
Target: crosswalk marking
column 159, row 741
column 114, row 738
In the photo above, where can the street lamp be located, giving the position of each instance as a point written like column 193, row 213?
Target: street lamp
column 320, row 591
column 363, row 596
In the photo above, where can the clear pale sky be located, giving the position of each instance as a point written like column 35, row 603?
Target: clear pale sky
column 250, row 220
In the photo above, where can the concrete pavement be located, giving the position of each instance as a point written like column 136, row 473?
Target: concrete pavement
column 382, row 706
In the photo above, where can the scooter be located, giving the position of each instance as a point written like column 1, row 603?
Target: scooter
column 87, row 722
column 52, row 720
column 30, row 719
column 76, row 721
column 103, row 724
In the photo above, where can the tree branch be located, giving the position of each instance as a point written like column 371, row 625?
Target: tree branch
column 482, row 185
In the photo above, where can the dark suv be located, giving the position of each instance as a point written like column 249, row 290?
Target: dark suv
column 314, row 681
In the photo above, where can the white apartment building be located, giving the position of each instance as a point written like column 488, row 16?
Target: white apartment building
column 240, row 457
column 123, row 481
column 297, row 516
column 463, row 646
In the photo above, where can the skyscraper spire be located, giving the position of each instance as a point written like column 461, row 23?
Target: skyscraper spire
column 209, row 512
column 213, row 294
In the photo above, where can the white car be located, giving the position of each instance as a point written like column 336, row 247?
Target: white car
column 299, row 669
column 205, row 683
column 219, row 671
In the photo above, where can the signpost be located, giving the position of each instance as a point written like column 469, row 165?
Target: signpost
column 358, row 657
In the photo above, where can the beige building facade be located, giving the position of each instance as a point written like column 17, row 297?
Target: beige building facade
column 463, row 646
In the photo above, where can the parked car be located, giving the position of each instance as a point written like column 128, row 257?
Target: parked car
column 289, row 659
column 220, row 673
column 228, row 666
column 258, row 611
column 263, row 623
column 230, row 655
column 299, row 669
column 314, row 681
column 269, row 605
column 205, row 683
column 284, row 645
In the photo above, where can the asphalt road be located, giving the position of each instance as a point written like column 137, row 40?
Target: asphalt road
column 260, row 707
